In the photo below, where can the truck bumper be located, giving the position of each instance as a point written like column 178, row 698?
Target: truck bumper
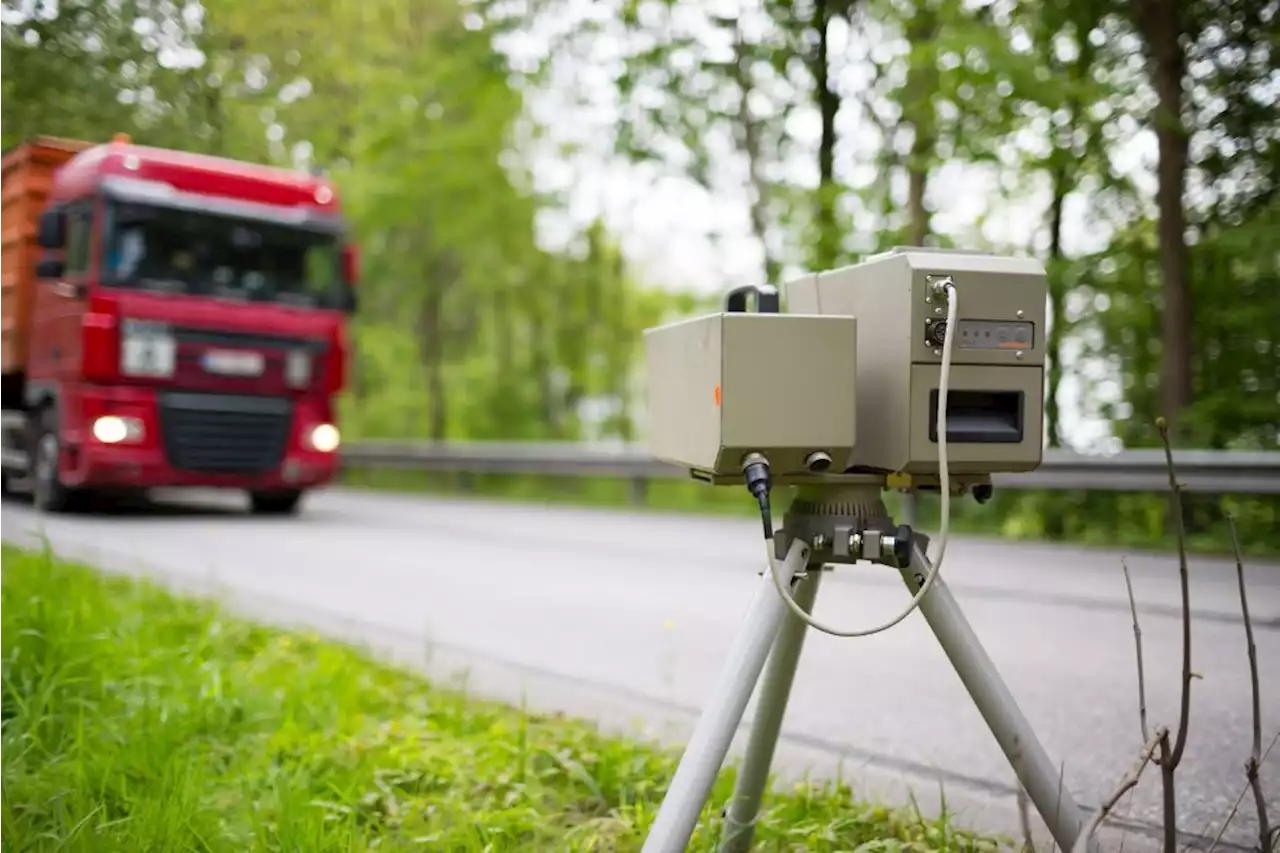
column 147, row 460
column 119, row 467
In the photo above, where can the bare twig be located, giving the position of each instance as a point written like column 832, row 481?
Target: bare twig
column 1236, row 807
column 1137, row 642
column 1170, row 758
column 1175, row 499
column 1057, row 805
column 1128, row 810
column 1129, row 781
column 1024, row 820
column 1251, row 766
column 1169, row 795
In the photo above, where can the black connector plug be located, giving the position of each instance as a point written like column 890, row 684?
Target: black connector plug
column 902, row 545
column 759, row 481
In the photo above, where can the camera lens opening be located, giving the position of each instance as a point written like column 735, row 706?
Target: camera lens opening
column 818, row 461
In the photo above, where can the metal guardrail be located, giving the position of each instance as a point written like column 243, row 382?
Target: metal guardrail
column 1209, row 471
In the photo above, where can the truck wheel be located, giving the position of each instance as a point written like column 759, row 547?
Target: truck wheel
column 275, row 503
column 47, row 491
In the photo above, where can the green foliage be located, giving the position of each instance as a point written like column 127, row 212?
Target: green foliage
column 134, row 720
column 1044, row 94
column 471, row 327
column 89, row 71
column 468, row 326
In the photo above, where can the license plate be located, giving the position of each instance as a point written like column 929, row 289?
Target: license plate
column 232, row 363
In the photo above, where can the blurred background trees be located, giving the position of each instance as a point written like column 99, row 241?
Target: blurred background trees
column 1134, row 147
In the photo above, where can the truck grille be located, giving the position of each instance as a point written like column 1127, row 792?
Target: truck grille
column 193, row 343
column 223, row 433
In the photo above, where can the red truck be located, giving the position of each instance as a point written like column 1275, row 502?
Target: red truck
column 169, row 320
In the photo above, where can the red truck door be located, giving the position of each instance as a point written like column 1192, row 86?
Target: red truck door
column 61, row 302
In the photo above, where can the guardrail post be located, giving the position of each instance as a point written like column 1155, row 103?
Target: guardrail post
column 639, row 490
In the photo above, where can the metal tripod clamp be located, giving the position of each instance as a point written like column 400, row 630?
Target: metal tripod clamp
column 850, row 543
column 889, row 549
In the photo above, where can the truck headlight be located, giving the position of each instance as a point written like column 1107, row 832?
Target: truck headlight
column 113, row 429
column 324, row 438
column 147, row 349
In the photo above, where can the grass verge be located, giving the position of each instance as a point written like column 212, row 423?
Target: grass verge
column 1094, row 519
column 135, row 720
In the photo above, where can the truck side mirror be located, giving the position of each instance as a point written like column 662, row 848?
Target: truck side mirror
column 350, row 277
column 52, row 230
column 350, row 265
column 49, row 268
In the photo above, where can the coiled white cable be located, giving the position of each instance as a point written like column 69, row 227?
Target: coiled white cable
column 944, row 475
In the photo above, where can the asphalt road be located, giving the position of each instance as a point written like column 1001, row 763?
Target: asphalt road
column 627, row 617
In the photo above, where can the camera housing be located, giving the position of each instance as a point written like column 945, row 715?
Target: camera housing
column 995, row 411
column 845, row 386
column 725, row 385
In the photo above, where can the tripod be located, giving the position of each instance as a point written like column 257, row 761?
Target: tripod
column 828, row 525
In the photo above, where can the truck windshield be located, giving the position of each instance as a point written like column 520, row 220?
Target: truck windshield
column 166, row 250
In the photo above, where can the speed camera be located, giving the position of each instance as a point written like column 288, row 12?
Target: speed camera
column 850, row 379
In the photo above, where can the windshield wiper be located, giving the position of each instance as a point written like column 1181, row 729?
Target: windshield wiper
column 163, row 285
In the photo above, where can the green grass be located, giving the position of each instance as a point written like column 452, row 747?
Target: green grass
column 136, row 721
column 1094, row 519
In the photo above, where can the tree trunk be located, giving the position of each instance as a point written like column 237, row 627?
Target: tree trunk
column 540, row 358
column 920, row 89
column 442, row 272
column 217, row 122
column 749, row 135
column 1057, row 308
column 1161, row 23
column 829, row 236
column 1054, row 515
column 505, row 333
column 1062, row 186
column 431, row 344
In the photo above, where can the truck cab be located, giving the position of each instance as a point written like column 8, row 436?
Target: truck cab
column 186, row 325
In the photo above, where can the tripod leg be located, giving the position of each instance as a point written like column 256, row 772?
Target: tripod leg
column 1027, row 756
column 705, row 754
column 775, row 690
column 910, row 508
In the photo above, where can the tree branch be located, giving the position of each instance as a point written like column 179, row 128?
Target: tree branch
column 1057, row 803
column 1137, row 642
column 1251, row 766
column 1024, row 820
column 1169, row 794
column 1175, row 499
column 1236, row 807
column 1129, row 781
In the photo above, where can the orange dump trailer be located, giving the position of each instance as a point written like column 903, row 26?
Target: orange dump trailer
column 28, row 171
